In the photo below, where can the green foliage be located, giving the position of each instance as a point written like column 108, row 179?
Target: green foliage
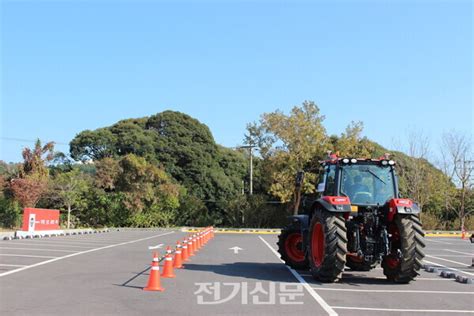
column 93, row 145
column 167, row 170
column 10, row 213
column 290, row 143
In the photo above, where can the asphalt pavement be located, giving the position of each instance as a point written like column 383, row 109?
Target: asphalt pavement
column 234, row 274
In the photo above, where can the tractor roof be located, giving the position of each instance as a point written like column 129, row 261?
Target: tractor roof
column 335, row 159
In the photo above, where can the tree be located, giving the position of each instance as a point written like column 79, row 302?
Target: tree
column 458, row 163
column 93, row 145
column 291, row 143
column 33, row 174
column 352, row 144
column 68, row 189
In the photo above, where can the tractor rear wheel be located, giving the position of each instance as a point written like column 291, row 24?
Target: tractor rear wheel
column 405, row 260
column 291, row 249
column 327, row 246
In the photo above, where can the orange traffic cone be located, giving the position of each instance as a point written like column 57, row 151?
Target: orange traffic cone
column 194, row 243
column 177, row 262
column 168, row 267
column 190, row 247
column 463, row 234
column 154, row 282
column 199, row 241
column 185, row 251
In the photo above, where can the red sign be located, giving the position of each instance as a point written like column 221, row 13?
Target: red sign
column 40, row 219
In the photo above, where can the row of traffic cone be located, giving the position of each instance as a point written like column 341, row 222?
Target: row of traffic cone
column 182, row 253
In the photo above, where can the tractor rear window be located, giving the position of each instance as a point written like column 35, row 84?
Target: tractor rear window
column 367, row 184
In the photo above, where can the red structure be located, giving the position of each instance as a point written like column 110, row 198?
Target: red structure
column 35, row 219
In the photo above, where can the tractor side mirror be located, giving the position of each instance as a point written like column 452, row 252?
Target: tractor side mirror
column 321, row 187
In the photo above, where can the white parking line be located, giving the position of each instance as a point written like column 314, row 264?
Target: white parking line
column 26, row 256
column 456, row 262
column 38, row 249
column 57, row 242
column 464, row 253
column 398, row 310
column 392, row 291
column 437, row 241
column 450, row 256
column 45, row 244
column 12, row 265
column 80, row 253
column 311, row 291
column 448, row 268
column 155, row 247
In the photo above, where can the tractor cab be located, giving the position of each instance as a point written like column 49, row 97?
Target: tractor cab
column 364, row 182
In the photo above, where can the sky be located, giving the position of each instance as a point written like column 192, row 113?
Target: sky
column 398, row 66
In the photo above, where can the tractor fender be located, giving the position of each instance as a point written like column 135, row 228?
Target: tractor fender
column 402, row 206
column 301, row 222
column 336, row 208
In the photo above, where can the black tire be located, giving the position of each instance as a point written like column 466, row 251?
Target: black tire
column 293, row 254
column 406, row 252
column 358, row 266
column 327, row 246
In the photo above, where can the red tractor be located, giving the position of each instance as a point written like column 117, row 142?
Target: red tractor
column 358, row 219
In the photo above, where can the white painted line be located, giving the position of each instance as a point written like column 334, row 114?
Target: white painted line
column 38, row 249
column 450, row 256
column 463, row 253
column 392, row 291
column 437, row 241
column 448, row 268
column 455, row 262
column 350, row 276
column 58, row 242
column 80, row 253
column 155, row 247
column 398, row 310
column 12, row 265
column 26, row 256
column 380, row 278
column 311, row 291
column 44, row 244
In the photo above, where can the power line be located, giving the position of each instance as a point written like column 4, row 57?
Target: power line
column 22, row 140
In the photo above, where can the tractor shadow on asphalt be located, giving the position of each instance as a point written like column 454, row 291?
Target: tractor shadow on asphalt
column 273, row 272
column 276, row 272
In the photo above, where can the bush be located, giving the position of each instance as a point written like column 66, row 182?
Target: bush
column 10, row 213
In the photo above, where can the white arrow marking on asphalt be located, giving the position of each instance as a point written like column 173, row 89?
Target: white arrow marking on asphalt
column 236, row 249
column 156, row 247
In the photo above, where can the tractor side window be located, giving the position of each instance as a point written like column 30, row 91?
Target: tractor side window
column 331, row 181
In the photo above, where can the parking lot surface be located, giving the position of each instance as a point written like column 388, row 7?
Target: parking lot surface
column 234, row 274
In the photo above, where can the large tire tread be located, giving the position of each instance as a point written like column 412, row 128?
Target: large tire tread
column 412, row 244
column 335, row 237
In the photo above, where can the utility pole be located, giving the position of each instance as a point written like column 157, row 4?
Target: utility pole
column 250, row 148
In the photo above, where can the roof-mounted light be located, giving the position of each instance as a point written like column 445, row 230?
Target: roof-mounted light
column 353, row 160
column 391, row 162
column 384, row 162
column 345, row 160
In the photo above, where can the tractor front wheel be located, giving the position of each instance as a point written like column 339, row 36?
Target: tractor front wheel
column 327, row 246
column 290, row 247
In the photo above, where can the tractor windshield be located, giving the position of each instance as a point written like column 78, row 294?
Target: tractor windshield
column 367, row 184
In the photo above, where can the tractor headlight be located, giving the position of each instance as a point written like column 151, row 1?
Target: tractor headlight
column 345, row 160
column 391, row 162
column 384, row 162
column 353, row 160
